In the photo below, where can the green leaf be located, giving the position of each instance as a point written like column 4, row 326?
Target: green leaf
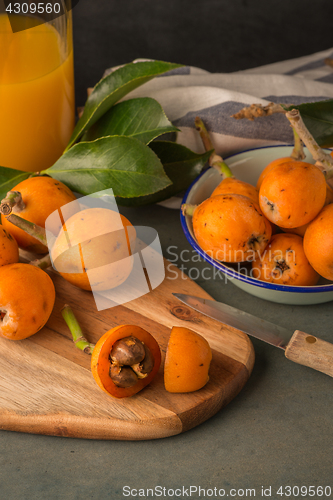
column 180, row 164
column 9, row 178
column 115, row 86
column 142, row 118
column 124, row 164
column 318, row 119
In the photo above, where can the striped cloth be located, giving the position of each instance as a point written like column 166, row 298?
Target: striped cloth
column 188, row 91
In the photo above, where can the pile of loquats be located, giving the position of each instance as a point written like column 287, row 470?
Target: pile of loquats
column 126, row 358
column 283, row 226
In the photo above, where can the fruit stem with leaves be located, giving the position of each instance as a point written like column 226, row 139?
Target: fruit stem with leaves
column 215, row 161
column 79, row 340
column 321, row 158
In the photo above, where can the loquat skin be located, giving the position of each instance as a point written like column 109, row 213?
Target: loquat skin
column 9, row 252
column 187, row 361
column 300, row 231
column 292, row 194
column 230, row 185
column 329, row 195
column 284, row 262
column 270, row 166
column 89, row 254
column 318, row 242
column 27, row 298
column 41, row 195
column 231, row 228
column 330, row 181
column 286, row 159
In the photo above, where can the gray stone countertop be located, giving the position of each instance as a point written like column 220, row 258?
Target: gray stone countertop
column 275, row 435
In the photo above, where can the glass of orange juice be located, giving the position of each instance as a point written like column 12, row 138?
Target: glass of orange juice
column 37, row 109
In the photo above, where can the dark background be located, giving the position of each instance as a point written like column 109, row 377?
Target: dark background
column 216, row 35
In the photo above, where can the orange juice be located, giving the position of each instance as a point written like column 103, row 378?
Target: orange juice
column 36, row 95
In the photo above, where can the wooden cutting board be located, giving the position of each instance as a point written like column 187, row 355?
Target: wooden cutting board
column 47, row 386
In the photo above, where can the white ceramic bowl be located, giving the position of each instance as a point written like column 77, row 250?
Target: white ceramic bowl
column 247, row 166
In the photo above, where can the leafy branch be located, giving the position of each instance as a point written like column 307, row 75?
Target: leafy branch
column 112, row 145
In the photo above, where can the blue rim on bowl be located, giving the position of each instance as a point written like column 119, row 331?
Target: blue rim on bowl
column 252, row 285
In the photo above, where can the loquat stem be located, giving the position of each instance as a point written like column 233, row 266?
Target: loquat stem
column 30, row 228
column 43, row 262
column 13, row 199
column 207, row 142
column 39, row 174
column 79, row 340
column 258, row 110
column 215, row 161
column 298, row 151
column 221, row 167
column 188, row 209
column 323, row 159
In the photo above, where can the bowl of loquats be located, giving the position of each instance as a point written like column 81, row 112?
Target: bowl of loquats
column 286, row 263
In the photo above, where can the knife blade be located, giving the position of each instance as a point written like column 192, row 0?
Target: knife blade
column 302, row 348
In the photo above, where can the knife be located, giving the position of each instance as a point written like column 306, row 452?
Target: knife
column 302, row 348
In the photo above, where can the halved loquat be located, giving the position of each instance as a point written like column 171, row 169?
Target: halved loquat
column 187, row 361
column 103, row 360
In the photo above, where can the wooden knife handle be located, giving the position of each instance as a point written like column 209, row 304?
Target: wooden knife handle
column 307, row 350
